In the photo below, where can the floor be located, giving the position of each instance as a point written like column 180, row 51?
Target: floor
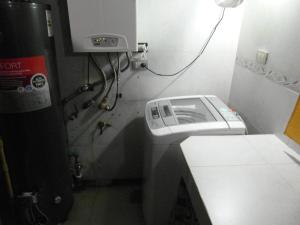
column 113, row 205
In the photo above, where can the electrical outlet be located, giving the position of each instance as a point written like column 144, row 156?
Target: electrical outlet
column 140, row 58
column 262, row 57
column 137, row 65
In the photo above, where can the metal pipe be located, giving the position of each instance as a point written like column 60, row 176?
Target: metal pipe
column 5, row 169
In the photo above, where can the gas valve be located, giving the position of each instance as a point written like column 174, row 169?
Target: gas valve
column 102, row 126
column 104, row 105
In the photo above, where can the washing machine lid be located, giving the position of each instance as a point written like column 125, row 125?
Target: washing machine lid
column 186, row 114
column 191, row 110
column 186, row 111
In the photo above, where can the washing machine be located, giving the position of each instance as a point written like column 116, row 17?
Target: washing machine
column 169, row 121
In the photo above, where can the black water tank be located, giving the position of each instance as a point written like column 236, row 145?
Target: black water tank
column 31, row 118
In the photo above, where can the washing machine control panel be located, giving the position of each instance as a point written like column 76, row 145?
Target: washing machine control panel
column 228, row 114
column 155, row 113
column 153, row 116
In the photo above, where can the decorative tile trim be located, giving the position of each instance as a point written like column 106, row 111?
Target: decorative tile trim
column 268, row 73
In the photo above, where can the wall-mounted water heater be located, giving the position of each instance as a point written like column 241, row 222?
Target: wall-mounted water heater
column 103, row 25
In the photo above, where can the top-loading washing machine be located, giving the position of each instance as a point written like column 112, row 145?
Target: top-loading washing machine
column 169, row 121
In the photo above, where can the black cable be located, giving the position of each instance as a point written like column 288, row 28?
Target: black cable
column 100, row 70
column 128, row 63
column 29, row 216
column 114, row 78
column 93, row 100
column 43, row 217
column 88, row 74
column 197, row 57
column 35, row 216
column 117, row 78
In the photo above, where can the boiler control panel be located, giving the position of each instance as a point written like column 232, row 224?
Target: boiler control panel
column 105, row 42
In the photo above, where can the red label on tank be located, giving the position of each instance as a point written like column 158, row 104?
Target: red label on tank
column 17, row 72
column 23, row 66
column 24, row 84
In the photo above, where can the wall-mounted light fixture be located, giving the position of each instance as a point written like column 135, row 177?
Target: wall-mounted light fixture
column 229, row 3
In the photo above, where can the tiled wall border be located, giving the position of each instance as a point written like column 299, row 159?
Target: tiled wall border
column 268, row 73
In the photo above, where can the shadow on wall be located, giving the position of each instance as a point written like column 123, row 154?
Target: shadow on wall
column 123, row 157
column 65, row 27
column 250, row 128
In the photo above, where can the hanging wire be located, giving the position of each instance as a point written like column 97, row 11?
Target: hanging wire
column 117, row 80
column 115, row 75
column 197, row 57
column 100, row 70
column 128, row 63
column 88, row 67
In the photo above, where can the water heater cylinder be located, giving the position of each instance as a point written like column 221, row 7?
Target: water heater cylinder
column 31, row 116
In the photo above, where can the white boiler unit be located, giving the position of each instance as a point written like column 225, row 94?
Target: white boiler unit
column 103, row 25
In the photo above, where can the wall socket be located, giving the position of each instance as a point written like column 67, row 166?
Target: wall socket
column 140, row 57
column 137, row 64
column 262, row 56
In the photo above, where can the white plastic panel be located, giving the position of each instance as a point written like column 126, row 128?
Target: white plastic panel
column 103, row 25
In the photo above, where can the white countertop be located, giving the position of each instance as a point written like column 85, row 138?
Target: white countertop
column 244, row 180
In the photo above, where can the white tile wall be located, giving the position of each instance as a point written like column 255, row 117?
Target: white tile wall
column 264, row 103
